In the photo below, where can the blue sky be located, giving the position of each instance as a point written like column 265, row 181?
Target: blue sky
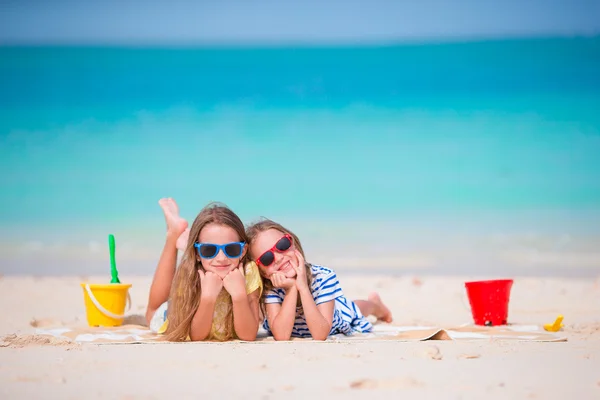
column 287, row 21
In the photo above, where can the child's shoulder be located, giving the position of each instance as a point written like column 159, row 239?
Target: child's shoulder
column 253, row 279
column 251, row 268
column 320, row 272
column 325, row 285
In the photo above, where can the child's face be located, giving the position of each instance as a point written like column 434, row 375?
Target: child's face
column 219, row 234
column 282, row 262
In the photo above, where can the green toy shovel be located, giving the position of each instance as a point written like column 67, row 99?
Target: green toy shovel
column 113, row 265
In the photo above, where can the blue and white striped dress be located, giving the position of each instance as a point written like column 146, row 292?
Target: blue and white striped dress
column 347, row 318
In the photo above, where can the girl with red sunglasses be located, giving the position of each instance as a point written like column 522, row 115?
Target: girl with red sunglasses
column 302, row 299
column 214, row 293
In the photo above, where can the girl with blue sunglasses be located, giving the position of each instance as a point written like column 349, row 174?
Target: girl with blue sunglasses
column 215, row 291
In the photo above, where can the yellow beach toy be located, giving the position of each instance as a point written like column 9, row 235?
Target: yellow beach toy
column 105, row 303
column 555, row 327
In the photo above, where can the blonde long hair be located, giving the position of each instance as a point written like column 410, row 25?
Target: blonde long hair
column 252, row 232
column 186, row 289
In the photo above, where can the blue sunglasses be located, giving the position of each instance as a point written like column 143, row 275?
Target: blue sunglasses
column 209, row 250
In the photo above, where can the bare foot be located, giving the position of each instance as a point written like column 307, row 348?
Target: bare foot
column 176, row 225
column 381, row 311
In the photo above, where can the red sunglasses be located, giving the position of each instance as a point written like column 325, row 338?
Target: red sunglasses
column 268, row 256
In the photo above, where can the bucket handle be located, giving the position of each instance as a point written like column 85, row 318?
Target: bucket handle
column 104, row 310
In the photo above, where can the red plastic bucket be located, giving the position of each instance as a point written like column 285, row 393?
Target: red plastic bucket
column 489, row 301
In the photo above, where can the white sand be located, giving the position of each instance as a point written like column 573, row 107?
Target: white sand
column 42, row 368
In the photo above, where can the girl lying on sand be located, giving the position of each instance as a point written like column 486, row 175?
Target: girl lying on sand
column 302, row 299
column 215, row 291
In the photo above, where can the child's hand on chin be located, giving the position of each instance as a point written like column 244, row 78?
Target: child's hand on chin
column 235, row 283
column 301, row 280
column 210, row 283
column 279, row 280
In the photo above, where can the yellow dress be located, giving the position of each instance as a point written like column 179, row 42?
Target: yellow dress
column 222, row 305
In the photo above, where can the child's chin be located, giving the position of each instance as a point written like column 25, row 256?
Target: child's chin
column 290, row 274
column 222, row 273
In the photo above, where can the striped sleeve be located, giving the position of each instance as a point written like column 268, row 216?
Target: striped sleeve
column 326, row 286
column 274, row 296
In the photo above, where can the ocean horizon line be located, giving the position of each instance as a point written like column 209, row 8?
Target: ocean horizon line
column 300, row 44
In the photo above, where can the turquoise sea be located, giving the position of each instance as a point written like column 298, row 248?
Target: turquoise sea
column 477, row 157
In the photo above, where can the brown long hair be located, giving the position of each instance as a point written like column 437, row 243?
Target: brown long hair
column 252, row 231
column 186, row 290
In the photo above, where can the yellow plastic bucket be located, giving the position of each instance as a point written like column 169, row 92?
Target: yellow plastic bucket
column 105, row 303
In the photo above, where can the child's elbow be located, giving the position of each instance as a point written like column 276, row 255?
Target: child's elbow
column 321, row 336
column 194, row 338
column 248, row 337
column 280, row 337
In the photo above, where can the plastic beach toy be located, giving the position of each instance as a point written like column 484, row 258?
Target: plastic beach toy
column 489, row 301
column 113, row 264
column 555, row 326
column 105, row 303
